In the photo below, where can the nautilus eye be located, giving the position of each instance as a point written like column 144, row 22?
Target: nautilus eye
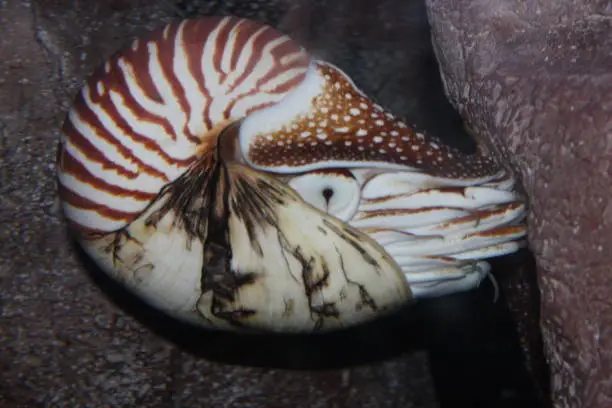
column 232, row 181
column 334, row 192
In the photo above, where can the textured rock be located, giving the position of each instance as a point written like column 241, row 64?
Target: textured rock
column 535, row 77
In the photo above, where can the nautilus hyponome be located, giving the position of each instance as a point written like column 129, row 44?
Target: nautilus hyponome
column 233, row 181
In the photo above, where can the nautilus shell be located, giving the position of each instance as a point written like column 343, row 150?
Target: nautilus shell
column 233, row 181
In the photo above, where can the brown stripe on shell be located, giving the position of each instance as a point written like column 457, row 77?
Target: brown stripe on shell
column 91, row 152
column 166, row 52
column 140, row 113
column 138, row 55
column 70, row 165
column 198, row 30
column 443, row 259
column 482, row 215
column 219, row 49
column 363, row 215
column 345, row 125
column 487, row 213
column 460, row 191
column 126, row 129
column 115, row 81
column 236, row 51
column 499, row 231
column 287, row 86
column 77, row 201
column 259, row 107
column 264, row 35
column 280, row 89
column 95, row 155
column 375, row 230
column 277, row 53
column 192, row 37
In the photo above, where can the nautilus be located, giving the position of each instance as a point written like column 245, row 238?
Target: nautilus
column 230, row 179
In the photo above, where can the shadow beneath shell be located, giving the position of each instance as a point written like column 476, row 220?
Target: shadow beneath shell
column 444, row 327
column 489, row 355
column 379, row 340
column 472, row 343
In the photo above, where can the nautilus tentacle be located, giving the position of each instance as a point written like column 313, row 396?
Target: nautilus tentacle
column 231, row 180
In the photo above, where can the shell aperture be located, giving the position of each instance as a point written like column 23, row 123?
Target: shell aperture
column 231, row 181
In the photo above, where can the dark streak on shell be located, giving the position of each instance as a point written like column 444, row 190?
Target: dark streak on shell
column 215, row 190
column 366, row 299
column 199, row 198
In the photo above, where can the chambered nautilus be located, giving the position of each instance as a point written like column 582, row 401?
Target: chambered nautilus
column 233, row 181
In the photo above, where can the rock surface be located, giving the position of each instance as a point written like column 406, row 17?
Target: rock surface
column 535, row 77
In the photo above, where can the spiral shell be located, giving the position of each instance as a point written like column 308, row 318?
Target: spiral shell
column 232, row 181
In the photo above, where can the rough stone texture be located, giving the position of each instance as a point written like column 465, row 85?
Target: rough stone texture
column 68, row 336
column 520, row 286
column 535, row 77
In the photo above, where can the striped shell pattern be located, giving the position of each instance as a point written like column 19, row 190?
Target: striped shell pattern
column 232, row 181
